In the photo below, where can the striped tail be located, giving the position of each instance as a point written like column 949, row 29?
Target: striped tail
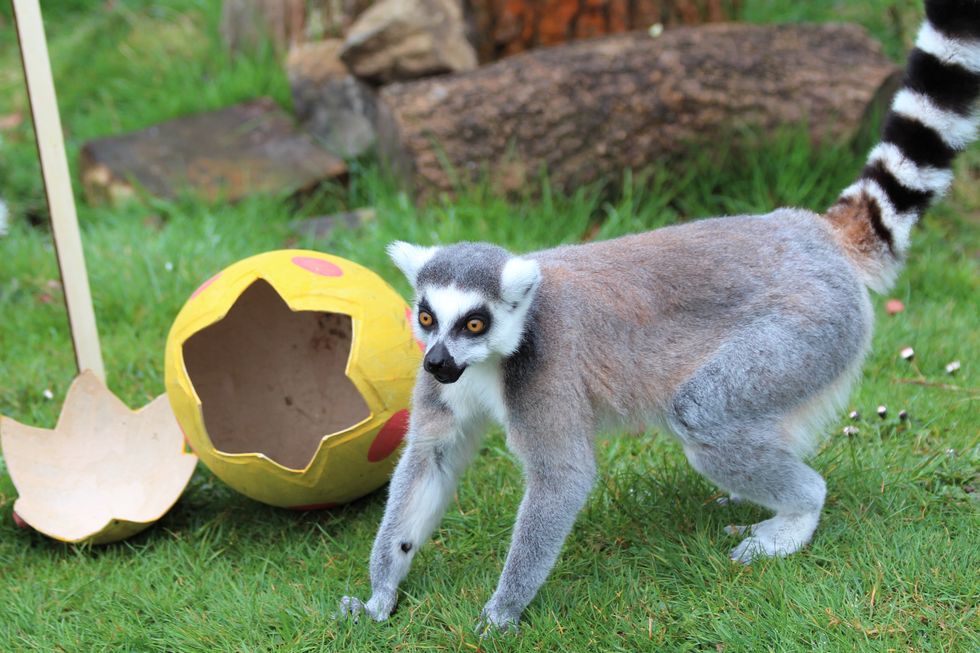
column 932, row 118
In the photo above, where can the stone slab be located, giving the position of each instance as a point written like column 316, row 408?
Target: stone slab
column 249, row 148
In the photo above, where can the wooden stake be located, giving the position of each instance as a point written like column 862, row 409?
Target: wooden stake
column 57, row 185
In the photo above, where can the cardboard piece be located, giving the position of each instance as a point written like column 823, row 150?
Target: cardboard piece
column 271, row 380
column 104, row 473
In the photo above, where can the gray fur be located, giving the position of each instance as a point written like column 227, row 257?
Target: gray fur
column 471, row 266
column 738, row 334
column 725, row 330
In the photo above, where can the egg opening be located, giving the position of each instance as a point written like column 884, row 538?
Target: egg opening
column 272, row 380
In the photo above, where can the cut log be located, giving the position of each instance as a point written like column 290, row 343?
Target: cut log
column 499, row 28
column 587, row 110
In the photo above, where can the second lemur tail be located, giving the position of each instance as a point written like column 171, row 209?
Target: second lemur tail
column 932, row 118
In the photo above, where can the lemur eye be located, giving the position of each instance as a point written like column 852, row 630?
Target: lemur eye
column 475, row 325
column 425, row 318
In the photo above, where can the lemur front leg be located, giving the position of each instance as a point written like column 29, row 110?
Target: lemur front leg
column 559, row 472
column 423, row 483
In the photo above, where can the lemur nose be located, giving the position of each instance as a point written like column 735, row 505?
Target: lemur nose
column 436, row 358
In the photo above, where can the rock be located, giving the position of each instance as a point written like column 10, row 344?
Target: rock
column 331, row 18
column 332, row 104
column 247, row 24
column 406, row 39
column 320, row 228
column 248, row 148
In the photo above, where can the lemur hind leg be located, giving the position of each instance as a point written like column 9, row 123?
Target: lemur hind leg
column 759, row 470
column 735, row 418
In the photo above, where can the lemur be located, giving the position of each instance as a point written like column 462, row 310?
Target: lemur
column 741, row 335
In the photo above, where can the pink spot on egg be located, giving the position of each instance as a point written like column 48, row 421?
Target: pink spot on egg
column 389, row 437
column 318, row 266
column 204, row 285
column 20, row 521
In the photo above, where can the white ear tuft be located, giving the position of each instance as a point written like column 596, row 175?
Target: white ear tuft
column 519, row 280
column 410, row 258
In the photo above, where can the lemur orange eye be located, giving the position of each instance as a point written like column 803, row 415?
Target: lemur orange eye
column 425, row 318
column 475, row 325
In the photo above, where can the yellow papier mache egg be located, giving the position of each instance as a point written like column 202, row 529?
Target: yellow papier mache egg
column 290, row 373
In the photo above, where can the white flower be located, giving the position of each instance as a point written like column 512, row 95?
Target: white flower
column 953, row 367
column 48, row 394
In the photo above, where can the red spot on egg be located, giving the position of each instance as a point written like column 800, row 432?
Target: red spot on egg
column 318, row 266
column 204, row 285
column 389, row 437
column 187, row 443
column 20, row 521
column 315, row 506
column 408, row 318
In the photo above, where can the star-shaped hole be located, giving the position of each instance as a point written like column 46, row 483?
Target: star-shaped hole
column 272, row 380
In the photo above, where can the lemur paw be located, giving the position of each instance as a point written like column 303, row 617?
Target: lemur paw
column 377, row 608
column 495, row 620
column 736, row 529
column 775, row 537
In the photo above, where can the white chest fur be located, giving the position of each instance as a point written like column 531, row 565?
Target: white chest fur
column 479, row 393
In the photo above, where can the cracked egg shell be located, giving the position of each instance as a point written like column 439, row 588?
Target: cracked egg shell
column 104, row 473
column 290, row 373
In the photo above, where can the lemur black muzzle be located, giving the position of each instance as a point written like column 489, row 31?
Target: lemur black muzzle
column 441, row 365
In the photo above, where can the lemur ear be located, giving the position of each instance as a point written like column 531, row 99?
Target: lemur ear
column 410, row 258
column 519, row 280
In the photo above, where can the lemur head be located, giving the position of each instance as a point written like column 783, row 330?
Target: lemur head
column 471, row 301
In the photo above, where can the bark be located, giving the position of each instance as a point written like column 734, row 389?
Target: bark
column 499, row 28
column 588, row 110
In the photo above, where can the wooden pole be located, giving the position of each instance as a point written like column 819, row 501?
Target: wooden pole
column 57, row 185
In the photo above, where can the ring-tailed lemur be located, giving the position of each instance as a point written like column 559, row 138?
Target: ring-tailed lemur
column 742, row 335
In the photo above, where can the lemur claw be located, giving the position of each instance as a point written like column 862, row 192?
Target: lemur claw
column 351, row 608
column 493, row 621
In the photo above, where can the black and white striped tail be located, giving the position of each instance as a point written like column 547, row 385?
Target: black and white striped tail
column 933, row 118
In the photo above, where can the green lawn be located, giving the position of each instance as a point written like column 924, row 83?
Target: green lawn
column 895, row 564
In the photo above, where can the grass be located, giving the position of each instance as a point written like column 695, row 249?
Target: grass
column 894, row 565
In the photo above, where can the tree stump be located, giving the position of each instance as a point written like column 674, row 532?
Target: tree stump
column 499, row 28
column 246, row 24
column 587, row 110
